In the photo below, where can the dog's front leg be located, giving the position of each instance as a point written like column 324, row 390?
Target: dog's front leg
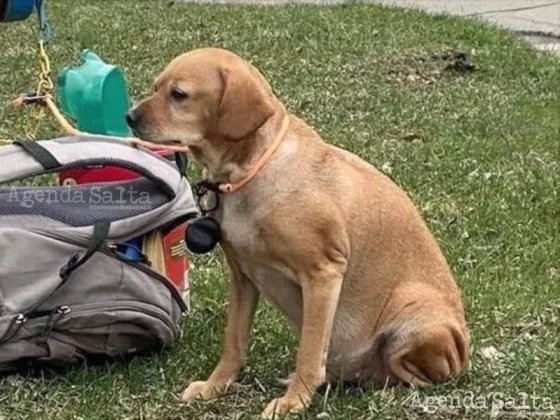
column 320, row 289
column 242, row 302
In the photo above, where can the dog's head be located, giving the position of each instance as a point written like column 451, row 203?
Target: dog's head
column 205, row 95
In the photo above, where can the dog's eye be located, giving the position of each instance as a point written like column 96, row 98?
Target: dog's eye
column 179, row 94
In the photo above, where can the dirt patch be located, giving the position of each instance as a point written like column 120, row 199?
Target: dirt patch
column 429, row 68
column 455, row 61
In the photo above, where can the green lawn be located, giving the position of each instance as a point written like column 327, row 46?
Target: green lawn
column 479, row 152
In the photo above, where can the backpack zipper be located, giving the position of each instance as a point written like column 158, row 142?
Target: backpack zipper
column 111, row 253
column 14, row 327
column 53, row 318
column 82, row 309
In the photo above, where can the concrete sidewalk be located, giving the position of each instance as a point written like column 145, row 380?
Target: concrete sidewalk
column 536, row 20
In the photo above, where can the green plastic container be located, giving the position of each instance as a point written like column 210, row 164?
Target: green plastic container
column 95, row 96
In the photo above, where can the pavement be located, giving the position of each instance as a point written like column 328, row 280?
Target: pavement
column 536, row 20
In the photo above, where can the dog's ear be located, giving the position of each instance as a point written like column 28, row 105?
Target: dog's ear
column 245, row 104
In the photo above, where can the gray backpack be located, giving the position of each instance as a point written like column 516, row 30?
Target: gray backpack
column 67, row 293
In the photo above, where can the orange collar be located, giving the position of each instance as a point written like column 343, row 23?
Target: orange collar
column 226, row 187
column 229, row 188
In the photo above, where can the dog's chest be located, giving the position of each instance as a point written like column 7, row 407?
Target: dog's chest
column 243, row 233
column 239, row 227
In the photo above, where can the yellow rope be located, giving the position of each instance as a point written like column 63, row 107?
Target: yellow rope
column 44, row 87
column 45, row 83
column 44, row 99
column 63, row 122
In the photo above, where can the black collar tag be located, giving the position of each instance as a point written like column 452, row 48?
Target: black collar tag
column 204, row 233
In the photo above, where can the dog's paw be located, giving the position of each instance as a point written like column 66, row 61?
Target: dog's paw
column 281, row 407
column 204, row 390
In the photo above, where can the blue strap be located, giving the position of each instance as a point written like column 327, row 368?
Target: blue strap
column 44, row 25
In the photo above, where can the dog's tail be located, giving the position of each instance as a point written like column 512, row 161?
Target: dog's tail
column 416, row 353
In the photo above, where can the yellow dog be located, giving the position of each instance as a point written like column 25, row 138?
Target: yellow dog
column 318, row 232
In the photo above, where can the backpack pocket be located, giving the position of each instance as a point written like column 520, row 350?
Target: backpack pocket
column 112, row 328
column 107, row 307
column 74, row 333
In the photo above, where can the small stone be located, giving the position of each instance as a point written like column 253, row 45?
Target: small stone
column 412, row 78
column 387, row 168
column 491, row 353
column 413, row 136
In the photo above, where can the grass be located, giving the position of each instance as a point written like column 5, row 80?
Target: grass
column 478, row 152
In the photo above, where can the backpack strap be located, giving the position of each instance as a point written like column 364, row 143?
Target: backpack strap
column 41, row 155
column 99, row 235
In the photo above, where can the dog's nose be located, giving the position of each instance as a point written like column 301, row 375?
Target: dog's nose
column 132, row 118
